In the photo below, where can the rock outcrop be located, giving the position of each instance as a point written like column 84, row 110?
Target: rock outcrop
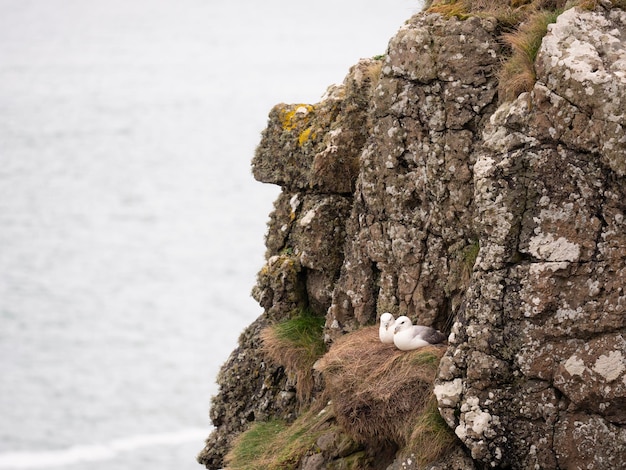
column 536, row 367
column 411, row 189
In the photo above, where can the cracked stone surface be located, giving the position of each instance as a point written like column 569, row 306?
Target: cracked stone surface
column 411, row 223
column 409, row 189
column 539, row 349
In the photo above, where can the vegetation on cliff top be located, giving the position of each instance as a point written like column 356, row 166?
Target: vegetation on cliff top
column 518, row 72
column 510, row 14
column 524, row 23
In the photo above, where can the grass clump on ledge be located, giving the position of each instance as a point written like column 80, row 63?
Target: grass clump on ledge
column 250, row 448
column 276, row 445
column 518, row 72
column 523, row 24
column 381, row 395
column 507, row 13
column 296, row 344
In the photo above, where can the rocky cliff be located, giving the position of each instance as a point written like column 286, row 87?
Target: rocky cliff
column 422, row 186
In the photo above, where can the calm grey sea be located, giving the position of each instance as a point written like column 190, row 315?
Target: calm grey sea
column 131, row 229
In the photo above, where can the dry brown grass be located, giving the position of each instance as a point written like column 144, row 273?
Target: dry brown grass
column 296, row 344
column 593, row 4
column 382, row 395
column 518, row 72
column 506, row 13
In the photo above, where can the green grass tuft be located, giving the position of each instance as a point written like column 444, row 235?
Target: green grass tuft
column 424, row 359
column 470, row 253
column 254, row 444
column 303, row 332
column 296, row 344
column 431, row 437
column 275, row 445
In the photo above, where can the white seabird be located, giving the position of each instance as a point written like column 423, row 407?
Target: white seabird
column 407, row 336
column 385, row 332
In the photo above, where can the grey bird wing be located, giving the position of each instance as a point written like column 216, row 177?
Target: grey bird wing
column 428, row 334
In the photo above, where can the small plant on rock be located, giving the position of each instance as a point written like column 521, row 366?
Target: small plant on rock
column 518, row 72
column 296, row 344
column 276, row 445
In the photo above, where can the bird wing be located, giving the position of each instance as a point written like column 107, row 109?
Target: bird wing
column 428, row 334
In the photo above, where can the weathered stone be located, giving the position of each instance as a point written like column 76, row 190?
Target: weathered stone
column 540, row 342
column 250, row 389
column 279, row 289
column 317, row 146
column 593, row 377
column 583, row 61
column 412, row 216
column 456, row 459
column 314, row 462
column 407, row 189
column 337, row 445
column 588, row 441
column 415, row 53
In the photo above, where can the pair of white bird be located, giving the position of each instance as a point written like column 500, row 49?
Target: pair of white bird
column 405, row 335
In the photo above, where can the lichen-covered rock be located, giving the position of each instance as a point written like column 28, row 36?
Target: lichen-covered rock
column 456, row 459
column 583, row 63
column 536, row 370
column 412, row 218
column 279, row 289
column 306, row 239
column 316, row 147
column 250, row 389
column 588, row 441
column 409, row 189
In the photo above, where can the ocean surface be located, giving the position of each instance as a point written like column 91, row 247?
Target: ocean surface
column 131, row 229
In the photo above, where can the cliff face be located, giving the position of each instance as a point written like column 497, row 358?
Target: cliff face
column 537, row 357
column 411, row 189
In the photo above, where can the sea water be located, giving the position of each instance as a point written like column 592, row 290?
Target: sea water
column 131, row 229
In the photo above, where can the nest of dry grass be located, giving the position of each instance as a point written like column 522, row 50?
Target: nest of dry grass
column 381, row 395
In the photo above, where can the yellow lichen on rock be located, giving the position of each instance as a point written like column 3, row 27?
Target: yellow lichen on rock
column 292, row 114
column 305, row 136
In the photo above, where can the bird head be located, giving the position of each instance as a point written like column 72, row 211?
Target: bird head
column 386, row 319
column 402, row 323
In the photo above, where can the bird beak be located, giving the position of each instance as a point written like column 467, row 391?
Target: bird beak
column 395, row 330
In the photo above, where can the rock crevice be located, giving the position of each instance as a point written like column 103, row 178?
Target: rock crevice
column 410, row 189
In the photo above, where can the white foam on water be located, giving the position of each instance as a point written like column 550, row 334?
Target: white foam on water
column 98, row 452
